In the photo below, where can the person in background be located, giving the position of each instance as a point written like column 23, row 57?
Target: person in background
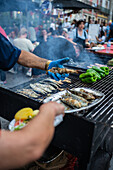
column 74, row 24
column 79, row 34
column 24, row 44
column 101, row 38
column 66, row 24
column 104, row 27
column 52, row 25
column 65, row 34
column 110, row 38
column 10, row 32
column 107, row 32
column 53, row 35
column 43, row 37
column 11, row 36
column 50, row 31
column 60, row 28
column 19, row 148
column 32, row 33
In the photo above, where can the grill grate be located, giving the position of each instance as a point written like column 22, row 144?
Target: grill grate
column 103, row 111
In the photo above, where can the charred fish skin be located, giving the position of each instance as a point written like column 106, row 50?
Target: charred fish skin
column 89, row 94
column 50, row 88
column 43, row 87
column 51, row 80
column 83, row 101
column 38, row 90
column 71, row 102
column 82, row 94
column 93, row 94
column 28, row 92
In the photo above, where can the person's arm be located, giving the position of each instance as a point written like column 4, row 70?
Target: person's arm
column 31, row 60
column 99, row 40
column 21, row 147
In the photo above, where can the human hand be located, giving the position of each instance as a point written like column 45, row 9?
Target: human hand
column 52, row 108
column 58, row 63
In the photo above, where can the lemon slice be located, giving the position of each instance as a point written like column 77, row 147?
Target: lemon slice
column 24, row 114
column 35, row 112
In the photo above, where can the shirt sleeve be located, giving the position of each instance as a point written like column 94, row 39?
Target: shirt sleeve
column 30, row 46
column 9, row 54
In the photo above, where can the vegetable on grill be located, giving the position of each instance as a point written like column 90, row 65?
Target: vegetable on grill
column 102, row 74
column 93, row 71
column 105, row 69
column 88, row 77
column 98, row 69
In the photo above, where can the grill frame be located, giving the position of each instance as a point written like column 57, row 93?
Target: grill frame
column 82, row 143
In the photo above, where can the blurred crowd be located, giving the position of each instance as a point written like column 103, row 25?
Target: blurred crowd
column 64, row 39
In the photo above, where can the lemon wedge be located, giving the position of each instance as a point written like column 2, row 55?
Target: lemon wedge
column 24, row 114
column 35, row 112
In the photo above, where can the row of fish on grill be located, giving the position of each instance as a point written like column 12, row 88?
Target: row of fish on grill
column 44, row 87
column 78, row 98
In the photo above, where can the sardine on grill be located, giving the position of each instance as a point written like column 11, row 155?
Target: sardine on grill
column 96, row 95
column 37, row 89
column 43, row 87
column 28, row 92
column 87, row 96
column 52, row 81
column 83, row 101
column 71, row 102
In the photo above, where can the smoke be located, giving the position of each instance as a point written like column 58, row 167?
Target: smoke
column 87, row 58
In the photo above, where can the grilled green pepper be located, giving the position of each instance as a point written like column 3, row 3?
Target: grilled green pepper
column 93, row 71
column 102, row 74
column 89, row 80
column 88, row 77
column 84, row 75
column 98, row 69
column 105, row 69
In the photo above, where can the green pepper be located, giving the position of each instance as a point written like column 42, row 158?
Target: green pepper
column 98, row 69
column 102, row 74
column 84, row 75
column 105, row 69
column 93, row 71
column 89, row 80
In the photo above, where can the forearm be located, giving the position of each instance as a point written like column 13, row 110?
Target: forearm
column 21, row 147
column 98, row 39
column 28, row 59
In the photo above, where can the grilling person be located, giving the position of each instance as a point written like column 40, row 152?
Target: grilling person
column 21, row 147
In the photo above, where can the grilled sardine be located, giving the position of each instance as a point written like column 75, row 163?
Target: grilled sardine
column 82, row 94
column 37, row 89
column 28, row 92
column 71, row 102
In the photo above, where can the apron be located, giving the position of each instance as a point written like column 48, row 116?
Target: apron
column 79, row 40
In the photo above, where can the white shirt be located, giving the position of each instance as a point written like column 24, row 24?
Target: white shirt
column 103, row 39
column 67, row 25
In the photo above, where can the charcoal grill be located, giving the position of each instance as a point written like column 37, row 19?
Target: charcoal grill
column 80, row 136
